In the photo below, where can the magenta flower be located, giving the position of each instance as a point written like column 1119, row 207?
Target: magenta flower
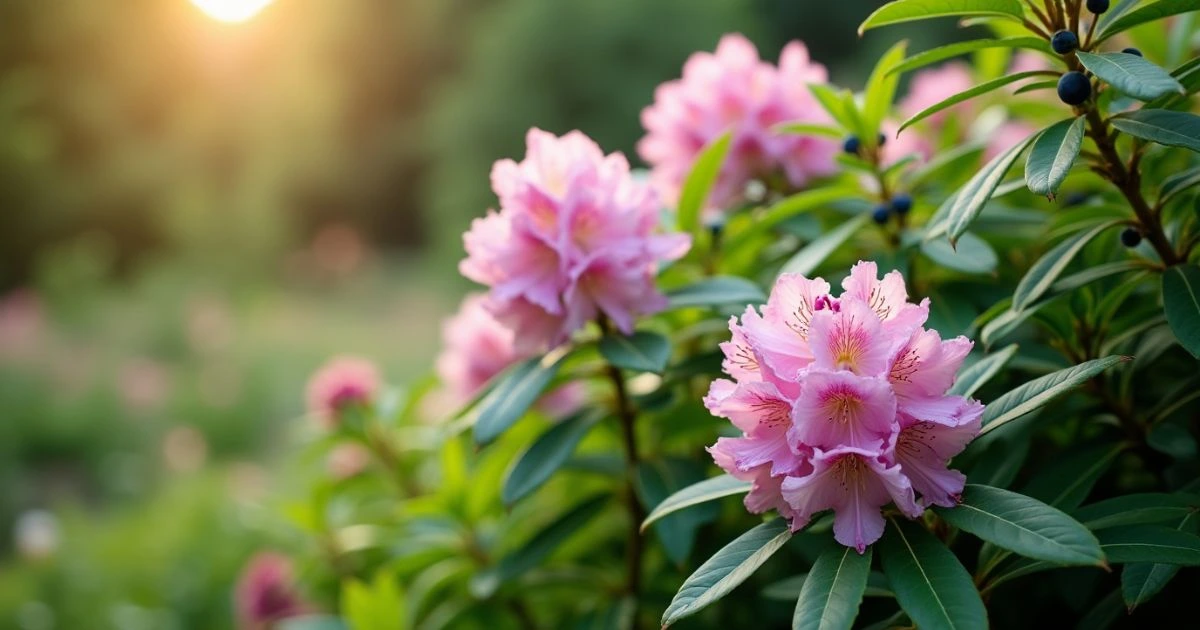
column 341, row 383
column 575, row 237
column 266, row 593
column 733, row 90
column 842, row 404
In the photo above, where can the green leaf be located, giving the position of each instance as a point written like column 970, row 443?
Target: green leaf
column 1181, row 302
column 925, row 58
column 833, row 104
column 1040, row 391
column 717, row 291
column 1042, row 274
column 880, row 91
column 1177, row 184
column 833, row 590
column 787, row 208
column 1023, row 525
column 982, row 88
column 970, row 254
column 1150, row 543
column 513, row 394
column 700, row 181
column 1142, row 581
column 697, row 493
column 970, row 199
column 1066, row 482
column 808, row 129
column 1138, row 509
column 1173, row 129
column 726, row 569
column 657, row 479
column 912, row 10
column 1035, row 86
column 930, row 584
column 1148, row 13
column 1131, row 74
column 980, row 372
column 546, row 455
column 312, row 622
column 788, row 589
column 1052, row 156
column 812, row 255
column 643, row 351
column 378, row 606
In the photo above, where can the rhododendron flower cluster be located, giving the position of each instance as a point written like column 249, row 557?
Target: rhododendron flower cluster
column 842, row 404
column 341, row 383
column 266, row 593
column 575, row 238
column 733, row 90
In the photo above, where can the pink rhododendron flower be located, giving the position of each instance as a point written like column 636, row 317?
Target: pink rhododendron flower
column 842, row 405
column 340, row 383
column 733, row 90
column 575, row 238
column 266, row 593
column 932, row 86
column 1005, row 137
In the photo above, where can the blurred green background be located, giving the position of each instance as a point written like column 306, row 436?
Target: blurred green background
column 195, row 214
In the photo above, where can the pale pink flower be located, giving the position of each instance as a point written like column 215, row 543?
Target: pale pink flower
column 347, row 460
column 842, row 405
column 266, row 593
column 1005, row 137
column 903, row 144
column 341, row 383
column 733, row 90
column 932, row 86
column 575, row 238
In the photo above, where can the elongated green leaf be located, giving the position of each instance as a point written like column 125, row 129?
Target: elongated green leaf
column 697, row 493
column 726, row 569
column 833, row 104
column 1174, row 129
column 788, row 589
column 1131, row 74
column 656, row 480
column 930, row 584
column 1092, row 274
column 925, row 58
column 643, row 351
column 787, row 208
column 880, row 91
column 812, row 255
column 980, row 372
column 1052, row 155
column 1023, row 525
column 1138, row 509
column 716, row 291
column 1150, row 543
column 1147, row 13
column 1034, row 86
column 1181, row 302
column 808, row 129
column 546, row 455
column 912, row 10
column 1042, row 274
column 970, row 199
column 700, row 181
column 1038, row 392
column 1142, row 581
column 970, row 254
column 513, row 394
column 833, row 590
column 377, row 606
column 1177, row 184
column 1066, row 482
column 982, row 88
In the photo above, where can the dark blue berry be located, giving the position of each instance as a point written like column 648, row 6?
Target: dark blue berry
column 1130, row 237
column 901, row 204
column 1074, row 88
column 1064, row 42
column 881, row 213
column 851, row 145
column 882, row 139
column 1097, row 6
column 1132, row 51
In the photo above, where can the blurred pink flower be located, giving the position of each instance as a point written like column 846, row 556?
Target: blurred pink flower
column 841, row 403
column 574, row 238
column 1028, row 61
column 733, row 90
column 1006, row 136
column 144, row 383
column 22, row 324
column 908, row 142
column 932, row 86
column 347, row 460
column 342, row 382
column 266, row 592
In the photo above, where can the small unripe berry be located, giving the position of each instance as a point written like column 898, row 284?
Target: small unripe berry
column 1064, row 42
column 882, row 139
column 1097, row 6
column 1132, row 51
column 901, row 204
column 1130, row 237
column 851, row 145
column 1074, row 88
column 880, row 215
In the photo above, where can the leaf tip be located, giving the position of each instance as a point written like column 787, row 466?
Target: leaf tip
column 1126, row 358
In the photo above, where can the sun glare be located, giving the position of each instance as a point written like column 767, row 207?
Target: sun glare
column 232, row 10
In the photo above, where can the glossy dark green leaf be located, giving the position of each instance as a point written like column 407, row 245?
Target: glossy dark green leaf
column 911, row 10
column 1170, row 128
column 656, row 480
column 643, row 351
column 700, row 181
column 1138, row 509
column 1067, row 480
column 1150, row 543
column 788, row 589
column 1178, row 184
column 982, row 88
column 717, row 291
column 970, row 254
column 513, row 395
column 1043, row 273
column 812, row 255
column 726, row 569
column 546, row 455
column 970, row 199
column 1181, row 302
column 1146, row 13
column 930, row 583
column 1141, row 581
column 1131, row 74
column 925, row 58
column 833, row 590
column 977, row 374
column 1052, row 155
column 1038, row 392
column 1023, row 525
column 697, row 493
